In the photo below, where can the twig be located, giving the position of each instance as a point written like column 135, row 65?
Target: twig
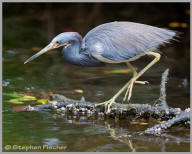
column 157, row 129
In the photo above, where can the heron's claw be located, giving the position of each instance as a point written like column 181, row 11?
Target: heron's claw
column 128, row 93
column 127, row 96
column 142, row 82
column 107, row 105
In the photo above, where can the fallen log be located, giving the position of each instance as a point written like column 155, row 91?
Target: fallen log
column 160, row 110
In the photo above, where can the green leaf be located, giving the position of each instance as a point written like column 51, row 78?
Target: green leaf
column 15, row 101
column 28, row 98
column 42, row 101
column 118, row 71
column 19, row 98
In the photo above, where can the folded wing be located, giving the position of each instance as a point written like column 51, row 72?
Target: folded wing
column 119, row 41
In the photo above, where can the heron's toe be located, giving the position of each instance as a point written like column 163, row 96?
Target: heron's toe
column 142, row 82
column 108, row 106
column 146, row 82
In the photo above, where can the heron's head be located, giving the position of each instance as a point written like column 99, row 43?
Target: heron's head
column 61, row 40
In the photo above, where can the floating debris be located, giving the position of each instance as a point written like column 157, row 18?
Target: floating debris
column 78, row 91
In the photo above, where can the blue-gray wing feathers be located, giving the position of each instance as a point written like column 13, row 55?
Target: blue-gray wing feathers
column 118, row 41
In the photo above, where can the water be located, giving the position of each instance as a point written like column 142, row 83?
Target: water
column 49, row 73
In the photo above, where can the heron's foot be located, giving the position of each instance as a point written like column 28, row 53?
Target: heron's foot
column 142, row 82
column 107, row 105
column 128, row 93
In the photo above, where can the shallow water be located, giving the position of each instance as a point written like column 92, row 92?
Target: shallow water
column 81, row 133
column 49, row 73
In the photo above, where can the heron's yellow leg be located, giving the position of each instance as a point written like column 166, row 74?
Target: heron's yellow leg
column 130, row 87
column 133, row 80
column 130, row 82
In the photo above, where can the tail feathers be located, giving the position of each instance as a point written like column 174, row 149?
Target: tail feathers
column 162, row 37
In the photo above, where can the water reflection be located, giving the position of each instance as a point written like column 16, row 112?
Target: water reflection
column 117, row 131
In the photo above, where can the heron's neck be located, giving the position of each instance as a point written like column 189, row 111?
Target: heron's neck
column 72, row 52
column 77, row 54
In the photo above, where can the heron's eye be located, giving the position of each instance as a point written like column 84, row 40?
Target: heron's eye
column 57, row 44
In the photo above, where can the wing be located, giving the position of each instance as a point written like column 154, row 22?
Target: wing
column 119, row 41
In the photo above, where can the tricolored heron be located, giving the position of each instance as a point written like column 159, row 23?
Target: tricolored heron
column 114, row 42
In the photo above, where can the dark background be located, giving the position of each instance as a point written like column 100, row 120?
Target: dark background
column 55, row 18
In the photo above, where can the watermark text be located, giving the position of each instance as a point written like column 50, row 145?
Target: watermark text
column 33, row 147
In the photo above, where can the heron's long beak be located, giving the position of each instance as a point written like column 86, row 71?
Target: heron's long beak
column 50, row 46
